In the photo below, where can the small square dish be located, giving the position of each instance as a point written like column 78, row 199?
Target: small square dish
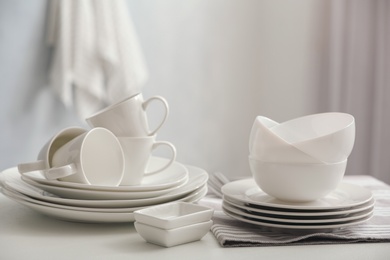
column 173, row 215
column 174, row 236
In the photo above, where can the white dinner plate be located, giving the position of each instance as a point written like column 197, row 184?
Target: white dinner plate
column 76, row 214
column 100, row 194
column 344, row 197
column 197, row 179
column 312, row 213
column 283, row 219
column 323, row 227
column 173, row 176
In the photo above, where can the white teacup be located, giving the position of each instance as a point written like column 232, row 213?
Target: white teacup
column 46, row 153
column 128, row 117
column 137, row 151
column 95, row 157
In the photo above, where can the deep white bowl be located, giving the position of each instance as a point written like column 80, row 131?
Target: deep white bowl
column 174, row 236
column 328, row 137
column 297, row 182
column 173, row 215
column 265, row 145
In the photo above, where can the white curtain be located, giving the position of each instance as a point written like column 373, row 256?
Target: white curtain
column 356, row 78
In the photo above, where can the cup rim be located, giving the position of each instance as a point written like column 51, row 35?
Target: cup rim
column 112, row 106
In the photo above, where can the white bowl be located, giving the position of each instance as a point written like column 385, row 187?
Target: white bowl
column 297, row 182
column 328, row 137
column 174, row 236
column 265, row 145
column 173, row 215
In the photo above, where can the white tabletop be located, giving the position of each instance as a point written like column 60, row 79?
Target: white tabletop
column 25, row 234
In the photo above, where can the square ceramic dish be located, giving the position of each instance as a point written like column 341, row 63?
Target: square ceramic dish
column 174, row 236
column 173, row 215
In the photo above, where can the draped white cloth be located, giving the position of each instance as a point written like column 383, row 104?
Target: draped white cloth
column 97, row 57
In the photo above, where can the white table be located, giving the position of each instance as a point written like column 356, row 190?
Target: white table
column 25, row 234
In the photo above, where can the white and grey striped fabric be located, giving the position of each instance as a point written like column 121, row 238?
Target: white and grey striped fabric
column 234, row 233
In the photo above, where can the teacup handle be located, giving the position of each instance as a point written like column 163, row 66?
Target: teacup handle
column 51, row 173
column 173, row 158
column 60, row 172
column 165, row 103
column 32, row 166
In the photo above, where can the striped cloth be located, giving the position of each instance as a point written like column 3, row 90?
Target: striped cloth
column 234, row 233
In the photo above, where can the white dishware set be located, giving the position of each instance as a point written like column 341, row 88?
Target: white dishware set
column 105, row 173
column 298, row 168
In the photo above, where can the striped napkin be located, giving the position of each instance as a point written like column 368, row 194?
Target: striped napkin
column 234, row 233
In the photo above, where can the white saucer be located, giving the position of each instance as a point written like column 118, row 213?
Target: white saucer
column 298, row 220
column 174, row 175
column 100, row 194
column 197, row 179
column 344, row 197
column 323, row 227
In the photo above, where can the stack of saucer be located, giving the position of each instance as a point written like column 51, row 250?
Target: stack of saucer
column 104, row 204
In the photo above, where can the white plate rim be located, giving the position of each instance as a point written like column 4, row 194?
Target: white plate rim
column 96, row 216
column 278, row 211
column 238, row 190
column 176, row 166
column 297, row 227
column 197, row 178
column 357, row 215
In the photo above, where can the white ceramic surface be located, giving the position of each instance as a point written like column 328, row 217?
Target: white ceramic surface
column 265, row 145
column 329, row 137
column 301, row 220
column 96, row 157
column 128, row 117
column 297, row 182
column 344, row 196
column 173, row 215
column 138, row 151
column 299, row 213
column 175, row 236
column 173, row 176
column 45, row 156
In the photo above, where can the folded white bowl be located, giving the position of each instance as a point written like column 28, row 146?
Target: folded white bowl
column 328, row 137
column 265, row 145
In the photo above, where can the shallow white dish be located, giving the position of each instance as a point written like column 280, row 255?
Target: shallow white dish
column 345, row 196
column 298, row 220
column 173, row 176
column 173, row 215
column 295, row 226
column 287, row 212
column 175, row 236
column 196, row 185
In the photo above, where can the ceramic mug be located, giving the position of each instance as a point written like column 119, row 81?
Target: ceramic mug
column 46, row 153
column 95, row 157
column 128, row 117
column 137, row 151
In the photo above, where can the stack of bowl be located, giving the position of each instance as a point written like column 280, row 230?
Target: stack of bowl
column 302, row 159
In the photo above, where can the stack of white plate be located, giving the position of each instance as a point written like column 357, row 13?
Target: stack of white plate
column 348, row 205
column 103, row 204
